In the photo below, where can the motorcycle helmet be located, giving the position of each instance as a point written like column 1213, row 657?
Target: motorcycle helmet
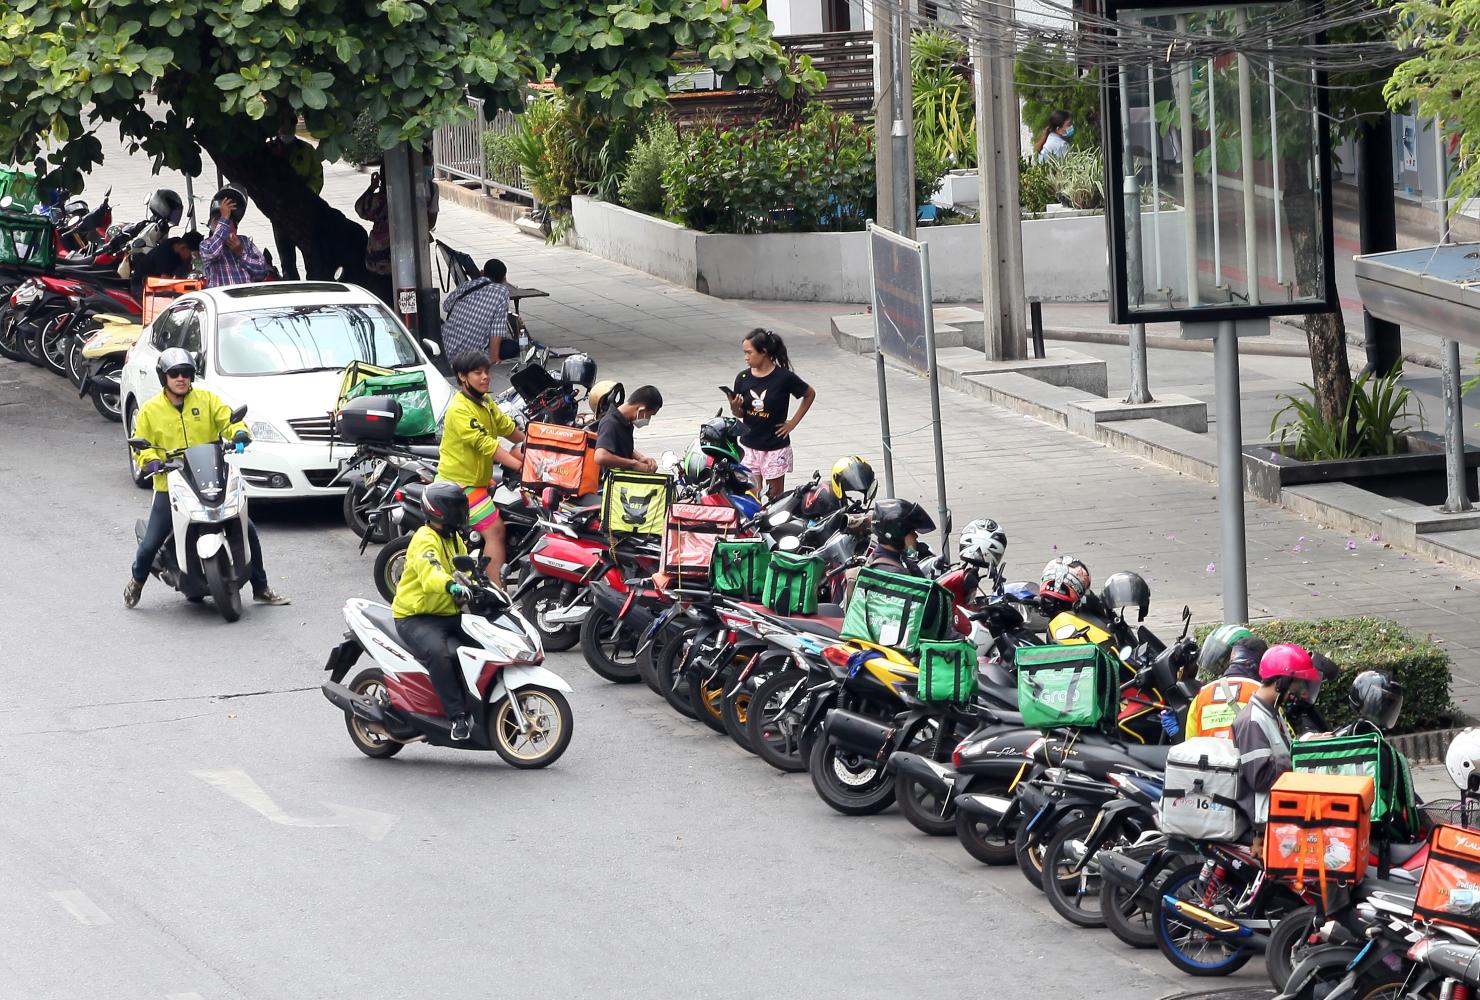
column 983, row 544
column 1287, row 662
column 604, row 395
column 236, row 195
column 172, row 360
column 445, row 506
column 695, row 464
column 1065, row 579
column 1217, row 648
column 895, row 520
column 719, row 437
column 579, row 369
column 1376, row 697
column 1463, row 760
column 166, row 206
column 853, row 481
column 1126, row 590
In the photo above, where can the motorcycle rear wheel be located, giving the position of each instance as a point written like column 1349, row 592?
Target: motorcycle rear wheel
column 991, row 845
column 551, row 722
column 390, row 562
column 775, row 733
column 865, row 791
column 603, row 640
column 370, row 683
column 1182, row 943
column 1075, row 895
column 1288, row 944
column 536, row 603
column 221, row 582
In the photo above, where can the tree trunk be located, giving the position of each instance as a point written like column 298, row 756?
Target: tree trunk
column 1324, row 332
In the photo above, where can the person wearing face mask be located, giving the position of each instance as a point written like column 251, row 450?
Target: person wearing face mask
column 471, row 429
column 614, row 447
column 1054, row 141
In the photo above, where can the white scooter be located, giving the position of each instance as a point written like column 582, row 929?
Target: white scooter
column 518, row 705
column 206, row 554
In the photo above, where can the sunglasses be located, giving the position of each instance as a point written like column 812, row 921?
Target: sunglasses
column 180, row 373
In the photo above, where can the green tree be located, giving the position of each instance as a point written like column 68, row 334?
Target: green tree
column 228, row 74
column 1444, row 79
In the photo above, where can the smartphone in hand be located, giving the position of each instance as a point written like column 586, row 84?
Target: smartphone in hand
column 731, row 393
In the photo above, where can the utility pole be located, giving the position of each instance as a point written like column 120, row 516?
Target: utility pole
column 998, row 151
column 883, row 113
column 416, row 298
column 1377, row 230
column 894, row 126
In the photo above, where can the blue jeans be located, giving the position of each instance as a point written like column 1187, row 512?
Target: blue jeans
column 158, row 530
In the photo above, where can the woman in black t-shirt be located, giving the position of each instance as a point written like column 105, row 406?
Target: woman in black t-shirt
column 761, row 399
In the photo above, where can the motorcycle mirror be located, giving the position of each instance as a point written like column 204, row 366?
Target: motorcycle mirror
column 464, row 563
column 1064, row 632
column 433, row 351
column 777, row 518
column 789, row 544
column 238, row 413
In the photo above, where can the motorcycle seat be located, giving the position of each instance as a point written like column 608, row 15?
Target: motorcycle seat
column 828, row 628
column 382, row 618
column 1398, row 854
column 424, row 450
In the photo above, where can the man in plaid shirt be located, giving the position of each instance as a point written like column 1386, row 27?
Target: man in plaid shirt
column 478, row 316
column 225, row 257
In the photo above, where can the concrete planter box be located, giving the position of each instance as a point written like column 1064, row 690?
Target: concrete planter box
column 958, row 187
column 1417, row 474
column 833, row 267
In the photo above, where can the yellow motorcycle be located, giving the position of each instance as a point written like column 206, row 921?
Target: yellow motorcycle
column 101, row 352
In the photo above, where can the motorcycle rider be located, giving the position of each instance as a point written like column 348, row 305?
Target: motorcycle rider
column 427, row 598
column 897, row 526
column 471, row 429
column 1287, row 674
column 179, row 417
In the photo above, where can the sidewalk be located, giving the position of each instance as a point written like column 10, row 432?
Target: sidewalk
column 1054, row 492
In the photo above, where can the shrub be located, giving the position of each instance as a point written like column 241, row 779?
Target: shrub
column 501, row 151
column 1370, row 643
column 1035, row 186
column 1376, row 416
column 1078, row 178
column 945, row 105
column 1047, row 81
column 641, row 188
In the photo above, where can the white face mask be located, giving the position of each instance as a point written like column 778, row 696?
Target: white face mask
column 642, row 421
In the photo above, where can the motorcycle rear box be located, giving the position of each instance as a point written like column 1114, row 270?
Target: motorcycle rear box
column 1200, row 800
column 560, row 456
column 1067, row 686
column 369, row 419
column 635, row 503
column 1319, row 827
column 1449, row 891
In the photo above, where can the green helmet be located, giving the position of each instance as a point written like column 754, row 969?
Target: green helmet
column 1212, row 658
column 719, row 437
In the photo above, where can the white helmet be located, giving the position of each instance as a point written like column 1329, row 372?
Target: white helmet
column 1463, row 759
column 983, row 543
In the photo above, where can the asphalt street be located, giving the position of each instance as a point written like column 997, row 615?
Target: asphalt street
column 185, row 816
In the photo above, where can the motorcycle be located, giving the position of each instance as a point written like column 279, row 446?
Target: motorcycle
column 519, row 707
column 103, row 344
column 206, row 553
column 374, row 472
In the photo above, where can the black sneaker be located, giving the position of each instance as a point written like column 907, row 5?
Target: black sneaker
column 462, row 729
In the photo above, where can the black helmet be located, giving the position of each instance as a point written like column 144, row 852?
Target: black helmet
column 164, row 204
column 853, row 480
column 895, row 519
column 719, row 437
column 445, row 506
column 235, row 195
column 174, row 359
column 1377, row 698
column 1126, row 590
column 579, row 369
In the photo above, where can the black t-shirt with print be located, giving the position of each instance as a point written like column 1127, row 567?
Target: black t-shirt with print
column 614, row 433
column 765, row 404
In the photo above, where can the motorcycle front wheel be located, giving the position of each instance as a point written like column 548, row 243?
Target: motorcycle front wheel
column 847, row 783
column 10, row 343
column 1288, row 944
column 390, row 562
column 546, row 734
column 221, row 582
column 108, row 404
column 774, row 729
column 1071, row 883
column 990, row 842
column 610, row 652
column 925, row 808
column 53, row 342
column 537, row 603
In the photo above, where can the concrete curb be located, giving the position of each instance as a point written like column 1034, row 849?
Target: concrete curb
column 1425, row 748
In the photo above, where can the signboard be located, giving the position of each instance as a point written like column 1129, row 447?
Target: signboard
column 1409, row 127
column 900, row 297
column 406, row 300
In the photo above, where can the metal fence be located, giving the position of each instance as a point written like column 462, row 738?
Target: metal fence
column 459, row 153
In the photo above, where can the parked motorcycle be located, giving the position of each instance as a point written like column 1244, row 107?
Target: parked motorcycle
column 102, row 345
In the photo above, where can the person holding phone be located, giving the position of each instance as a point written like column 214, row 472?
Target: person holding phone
column 761, row 398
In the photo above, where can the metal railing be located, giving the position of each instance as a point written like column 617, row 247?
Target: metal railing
column 459, row 152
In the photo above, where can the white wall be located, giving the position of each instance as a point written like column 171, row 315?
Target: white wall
column 795, row 17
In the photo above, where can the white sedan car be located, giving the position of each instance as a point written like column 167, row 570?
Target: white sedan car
column 281, row 348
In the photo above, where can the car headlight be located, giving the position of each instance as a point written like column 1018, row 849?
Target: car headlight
column 265, row 431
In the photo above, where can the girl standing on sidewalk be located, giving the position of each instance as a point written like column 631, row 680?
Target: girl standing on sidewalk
column 761, row 399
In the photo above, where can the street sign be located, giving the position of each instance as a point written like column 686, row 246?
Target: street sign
column 900, row 298
column 406, row 300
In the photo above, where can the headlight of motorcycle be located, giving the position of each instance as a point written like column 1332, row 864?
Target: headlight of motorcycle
column 267, row 432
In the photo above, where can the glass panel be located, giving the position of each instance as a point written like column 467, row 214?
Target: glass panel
column 311, row 338
column 1223, row 203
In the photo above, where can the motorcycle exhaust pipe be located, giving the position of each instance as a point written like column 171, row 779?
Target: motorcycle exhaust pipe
column 346, row 700
column 858, row 734
column 572, row 614
column 939, row 778
column 991, row 809
column 1221, row 927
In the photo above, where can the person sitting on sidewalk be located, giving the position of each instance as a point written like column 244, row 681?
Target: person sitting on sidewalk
column 477, row 316
column 614, row 447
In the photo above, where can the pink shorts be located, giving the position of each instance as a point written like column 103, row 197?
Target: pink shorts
column 768, row 465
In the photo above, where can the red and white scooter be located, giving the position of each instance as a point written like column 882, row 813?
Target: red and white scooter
column 518, row 705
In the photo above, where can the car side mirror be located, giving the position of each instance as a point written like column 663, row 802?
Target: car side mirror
column 238, row 413
column 433, row 351
column 138, row 444
column 464, row 563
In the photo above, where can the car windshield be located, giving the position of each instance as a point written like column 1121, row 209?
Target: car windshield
column 311, row 338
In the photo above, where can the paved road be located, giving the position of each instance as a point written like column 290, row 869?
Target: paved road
column 655, row 857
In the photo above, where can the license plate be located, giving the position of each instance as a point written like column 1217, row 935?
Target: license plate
column 377, row 469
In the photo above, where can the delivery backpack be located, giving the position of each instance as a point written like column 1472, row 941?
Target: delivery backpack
column 792, row 581
column 1216, row 704
column 739, row 568
column 1395, row 816
column 1076, row 685
column 1200, row 799
column 560, row 456
column 694, row 529
column 891, row 609
column 635, row 503
column 948, row 671
column 1449, row 889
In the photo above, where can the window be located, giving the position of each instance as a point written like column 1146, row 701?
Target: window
column 166, row 328
column 311, row 338
column 188, row 335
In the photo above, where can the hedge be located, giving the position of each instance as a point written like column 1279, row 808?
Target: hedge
column 1369, row 643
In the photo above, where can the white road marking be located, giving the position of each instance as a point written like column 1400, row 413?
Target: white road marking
column 84, row 910
column 240, row 786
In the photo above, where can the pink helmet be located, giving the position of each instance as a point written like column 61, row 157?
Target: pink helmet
column 1286, row 659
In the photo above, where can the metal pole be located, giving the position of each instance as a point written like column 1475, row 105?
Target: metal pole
column 1274, row 166
column 1189, row 177
column 902, row 170
column 1213, row 152
column 1454, row 432
column 884, row 111
column 1441, row 170
column 882, row 379
column 400, row 207
column 1246, row 168
column 190, row 201
column 1140, row 382
column 935, row 428
column 1377, row 231
column 1231, row 474
column 1155, row 174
